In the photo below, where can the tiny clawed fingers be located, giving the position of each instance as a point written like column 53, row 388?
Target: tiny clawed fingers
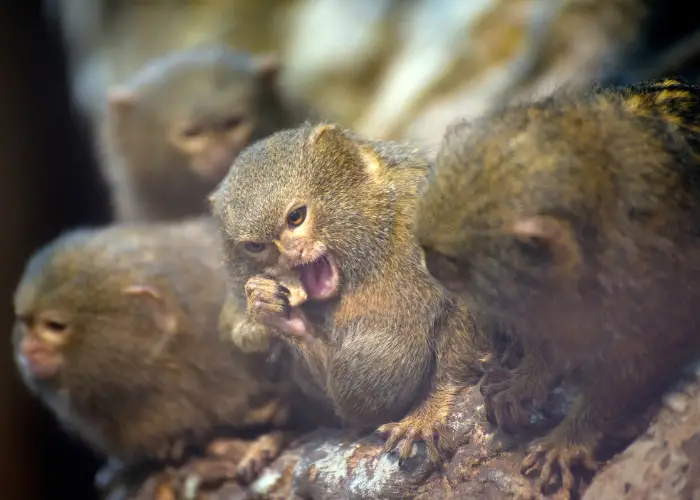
column 256, row 283
column 266, row 285
column 589, row 462
column 384, row 430
column 405, row 436
column 244, row 474
column 431, row 447
column 530, row 463
column 444, row 439
column 392, row 439
column 407, row 445
column 547, row 474
column 255, row 295
column 266, row 307
column 567, row 477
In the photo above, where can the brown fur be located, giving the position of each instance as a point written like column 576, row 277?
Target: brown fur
column 173, row 130
column 391, row 344
column 576, row 220
column 139, row 366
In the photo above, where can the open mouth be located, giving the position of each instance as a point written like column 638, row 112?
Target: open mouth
column 320, row 278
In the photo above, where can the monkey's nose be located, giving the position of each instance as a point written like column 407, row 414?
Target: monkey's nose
column 36, row 360
column 289, row 257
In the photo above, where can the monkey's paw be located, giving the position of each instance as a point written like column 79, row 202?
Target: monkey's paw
column 267, row 298
column 259, row 455
column 510, row 398
column 268, row 303
column 172, row 451
column 400, row 437
column 553, row 460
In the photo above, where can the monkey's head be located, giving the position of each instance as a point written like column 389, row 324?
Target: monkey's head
column 88, row 318
column 313, row 199
column 501, row 216
column 189, row 114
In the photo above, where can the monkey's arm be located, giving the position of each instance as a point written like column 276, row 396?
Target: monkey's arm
column 268, row 305
column 298, row 331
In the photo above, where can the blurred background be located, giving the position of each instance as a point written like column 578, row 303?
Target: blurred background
column 392, row 69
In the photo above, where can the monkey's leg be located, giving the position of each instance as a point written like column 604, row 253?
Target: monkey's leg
column 229, row 458
column 529, row 382
column 423, row 423
column 626, row 383
column 261, row 453
column 573, row 442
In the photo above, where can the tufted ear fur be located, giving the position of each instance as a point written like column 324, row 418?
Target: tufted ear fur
column 213, row 200
column 332, row 137
column 120, row 100
column 327, row 132
column 165, row 312
column 120, row 104
column 537, row 229
column 548, row 233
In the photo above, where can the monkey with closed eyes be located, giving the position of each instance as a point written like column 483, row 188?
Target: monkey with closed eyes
column 171, row 132
column 117, row 333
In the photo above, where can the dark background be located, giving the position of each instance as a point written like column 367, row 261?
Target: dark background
column 47, row 184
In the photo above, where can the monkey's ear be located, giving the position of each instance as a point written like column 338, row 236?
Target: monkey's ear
column 547, row 232
column 213, row 201
column 327, row 131
column 119, row 100
column 334, row 134
column 164, row 314
column 537, row 228
column 267, row 67
column 374, row 166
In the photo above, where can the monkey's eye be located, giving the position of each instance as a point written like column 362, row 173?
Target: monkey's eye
column 254, row 247
column 231, row 122
column 193, row 131
column 53, row 326
column 296, row 217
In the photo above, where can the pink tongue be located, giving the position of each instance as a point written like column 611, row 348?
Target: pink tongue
column 317, row 279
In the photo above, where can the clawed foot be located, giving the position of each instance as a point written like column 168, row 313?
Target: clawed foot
column 261, row 453
column 553, row 460
column 172, row 451
column 510, row 397
column 424, row 423
column 406, row 432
